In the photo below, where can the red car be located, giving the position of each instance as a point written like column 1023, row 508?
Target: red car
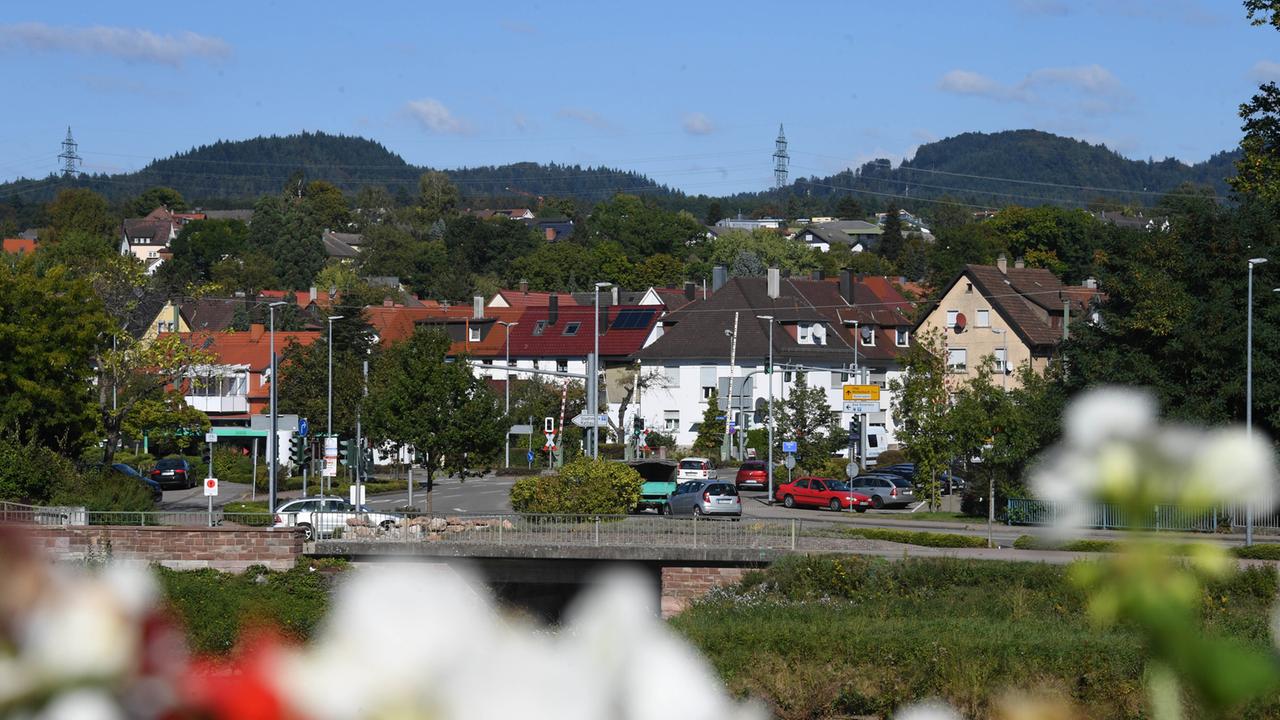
column 752, row 472
column 821, row 492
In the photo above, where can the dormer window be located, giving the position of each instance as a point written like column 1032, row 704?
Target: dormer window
column 811, row 334
column 539, row 326
column 473, row 334
column 902, row 337
column 572, row 328
column 868, row 335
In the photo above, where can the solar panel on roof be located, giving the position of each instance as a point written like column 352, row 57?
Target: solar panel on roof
column 632, row 319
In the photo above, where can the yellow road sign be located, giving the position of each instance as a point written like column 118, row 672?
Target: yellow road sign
column 862, row 392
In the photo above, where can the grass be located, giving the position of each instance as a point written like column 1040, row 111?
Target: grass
column 253, row 514
column 818, row 637
column 916, row 537
column 938, row 516
column 1260, row 551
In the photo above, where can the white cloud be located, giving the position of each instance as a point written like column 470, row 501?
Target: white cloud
column 1093, row 85
column 132, row 44
column 586, row 117
column 437, row 118
column 697, row 123
column 1265, row 71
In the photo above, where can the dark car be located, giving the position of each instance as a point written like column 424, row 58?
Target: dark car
column 174, row 473
column 129, row 472
column 752, row 472
column 885, row 489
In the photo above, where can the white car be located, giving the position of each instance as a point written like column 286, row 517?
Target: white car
column 322, row 516
column 695, row 468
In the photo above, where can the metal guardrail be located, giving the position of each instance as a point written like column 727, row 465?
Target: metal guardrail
column 1021, row 511
column 511, row 529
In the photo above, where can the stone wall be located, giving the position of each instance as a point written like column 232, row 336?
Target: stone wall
column 682, row 585
column 180, row 548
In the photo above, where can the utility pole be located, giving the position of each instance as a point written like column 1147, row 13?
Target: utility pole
column 730, row 412
column 1248, row 393
column 70, row 157
column 780, row 161
column 273, row 442
column 769, row 425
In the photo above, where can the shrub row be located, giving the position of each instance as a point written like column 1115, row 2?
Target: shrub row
column 582, row 487
column 924, row 538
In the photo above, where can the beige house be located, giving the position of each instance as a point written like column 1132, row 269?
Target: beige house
column 1011, row 316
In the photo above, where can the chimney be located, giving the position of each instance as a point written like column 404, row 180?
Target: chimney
column 1019, row 263
column 313, row 293
column 719, row 276
column 1002, row 262
column 553, row 309
column 1089, row 282
column 816, row 275
column 846, row 286
column 256, row 331
column 690, row 290
column 388, row 302
column 613, row 295
column 775, row 283
column 524, row 287
column 477, row 306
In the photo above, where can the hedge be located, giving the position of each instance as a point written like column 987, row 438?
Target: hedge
column 582, row 487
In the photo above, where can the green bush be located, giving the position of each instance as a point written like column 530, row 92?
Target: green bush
column 142, row 462
column 1264, row 551
column 923, row 538
column 103, row 489
column 31, row 473
column 891, row 457
column 230, row 465
column 582, row 487
column 215, row 607
column 252, row 514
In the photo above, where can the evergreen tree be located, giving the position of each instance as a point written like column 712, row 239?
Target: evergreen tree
column 711, row 431
column 806, row 417
column 714, row 213
column 892, row 241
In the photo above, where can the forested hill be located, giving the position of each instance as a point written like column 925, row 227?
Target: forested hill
column 229, row 173
column 1022, row 167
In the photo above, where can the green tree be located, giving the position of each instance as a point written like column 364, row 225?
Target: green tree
column 154, row 198
column 167, row 418
column 892, row 241
column 806, row 417
column 251, row 271
column 611, row 264
column 437, row 197
column 30, row 472
column 396, row 252
column 557, row 267
column 1072, row 236
column 582, row 487
column 304, row 385
column 659, row 270
column 920, row 404
column 641, row 227
column 199, row 246
column 711, row 430
column 848, row 208
column 767, row 247
column 420, row 399
column 79, row 210
column 714, row 213
column 53, row 326
column 326, row 206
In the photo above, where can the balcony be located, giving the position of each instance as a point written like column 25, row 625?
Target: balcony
column 219, row 403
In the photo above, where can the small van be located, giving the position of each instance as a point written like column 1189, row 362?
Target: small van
column 696, row 468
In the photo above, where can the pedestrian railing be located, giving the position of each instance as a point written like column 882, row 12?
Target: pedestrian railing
column 1021, row 511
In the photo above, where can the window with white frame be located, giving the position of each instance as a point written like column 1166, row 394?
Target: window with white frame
column 707, row 380
column 984, row 318
column 957, row 359
column 868, row 336
column 562, row 365
column 473, row 334
column 1000, row 360
column 671, row 421
column 952, row 316
column 902, row 337
column 804, row 334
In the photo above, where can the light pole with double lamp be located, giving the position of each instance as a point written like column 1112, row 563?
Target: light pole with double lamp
column 273, row 442
column 769, row 421
column 593, row 393
column 1248, row 390
column 329, row 423
column 507, row 386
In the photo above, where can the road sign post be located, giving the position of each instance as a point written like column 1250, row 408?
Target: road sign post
column 330, row 468
column 587, row 420
column 211, row 491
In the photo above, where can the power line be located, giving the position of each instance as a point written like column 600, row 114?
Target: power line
column 69, row 157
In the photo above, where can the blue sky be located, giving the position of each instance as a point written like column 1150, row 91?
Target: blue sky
column 690, row 93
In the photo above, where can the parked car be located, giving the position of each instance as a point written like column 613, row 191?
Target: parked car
column 821, row 492
column 752, row 472
column 174, row 472
column 696, row 468
column 322, row 516
column 705, row 497
column 885, row 489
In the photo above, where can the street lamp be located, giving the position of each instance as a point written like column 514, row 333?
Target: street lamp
column 769, row 423
column 593, row 394
column 507, row 385
column 329, row 424
column 273, row 442
column 1248, row 388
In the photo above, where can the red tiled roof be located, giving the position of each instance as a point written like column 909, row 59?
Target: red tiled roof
column 394, row 323
column 19, row 246
column 251, row 347
column 518, row 299
column 301, row 298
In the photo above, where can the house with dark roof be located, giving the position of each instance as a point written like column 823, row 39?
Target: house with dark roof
column 824, row 325
column 238, row 383
column 147, row 238
column 1013, row 316
column 858, row 235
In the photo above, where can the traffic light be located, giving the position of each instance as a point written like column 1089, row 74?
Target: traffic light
column 347, row 452
column 637, row 425
column 366, row 461
column 855, row 430
column 298, row 450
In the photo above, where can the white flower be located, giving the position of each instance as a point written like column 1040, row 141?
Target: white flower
column 1235, row 468
column 82, row 705
column 927, row 711
column 1108, row 414
column 82, row 629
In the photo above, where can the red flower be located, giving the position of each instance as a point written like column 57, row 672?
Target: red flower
column 240, row 687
